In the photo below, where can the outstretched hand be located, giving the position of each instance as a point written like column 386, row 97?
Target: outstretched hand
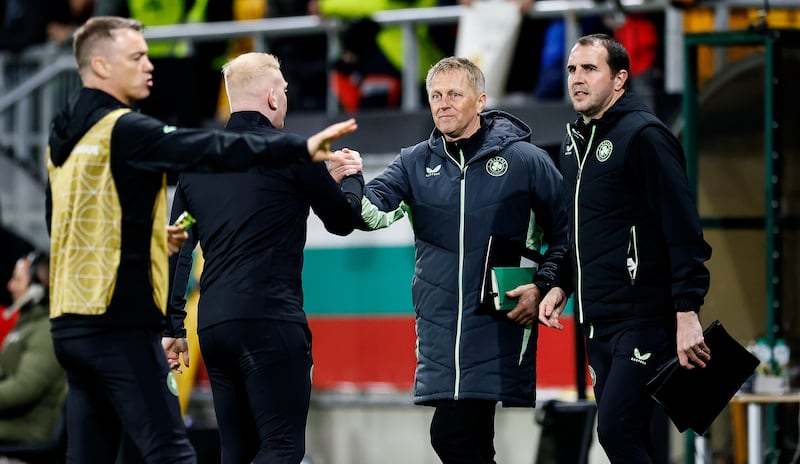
column 319, row 144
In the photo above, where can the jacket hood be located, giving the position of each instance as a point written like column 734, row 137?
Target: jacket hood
column 85, row 108
column 501, row 130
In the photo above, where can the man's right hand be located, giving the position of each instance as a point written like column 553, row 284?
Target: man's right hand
column 319, row 144
column 551, row 307
column 351, row 164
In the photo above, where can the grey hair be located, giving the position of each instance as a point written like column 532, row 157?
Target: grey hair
column 452, row 63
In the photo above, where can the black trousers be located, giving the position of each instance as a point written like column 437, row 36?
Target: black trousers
column 119, row 382
column 622, row 363
column 260, row 373
column 462, row 431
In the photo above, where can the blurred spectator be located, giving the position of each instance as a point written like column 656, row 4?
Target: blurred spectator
column 550, row 81
column 13, row 246
column 304, row 59
column 523, row 71
column 33, row 386
column 24, row 23
column 65, row 17
column 444, row 35
column 186, row 81
column 551, row 71
column 390, row 39
column 32, row 22
column 363, row 77
column 639, row 34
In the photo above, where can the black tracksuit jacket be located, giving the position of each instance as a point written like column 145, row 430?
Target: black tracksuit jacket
column 636, row 244
column 252, row 230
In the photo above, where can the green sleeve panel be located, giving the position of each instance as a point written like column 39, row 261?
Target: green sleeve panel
column 375, row 219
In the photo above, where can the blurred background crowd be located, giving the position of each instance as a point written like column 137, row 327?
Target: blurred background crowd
column 366, row 73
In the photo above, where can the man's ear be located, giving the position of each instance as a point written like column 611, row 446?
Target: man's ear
column 271, row 100
column 620, row 79
column 481, row 103
column 100, row 66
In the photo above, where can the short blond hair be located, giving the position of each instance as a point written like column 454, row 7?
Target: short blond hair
column 242, row 71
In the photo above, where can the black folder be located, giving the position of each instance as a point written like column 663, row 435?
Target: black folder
column 694, row 398
column 503, row 252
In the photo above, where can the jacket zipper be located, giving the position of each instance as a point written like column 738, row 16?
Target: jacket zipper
column 580, row 161
column 462, row 195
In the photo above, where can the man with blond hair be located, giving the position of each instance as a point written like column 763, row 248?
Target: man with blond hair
column 251, row 226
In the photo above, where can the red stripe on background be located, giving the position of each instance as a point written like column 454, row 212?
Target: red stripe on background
column 367, row 352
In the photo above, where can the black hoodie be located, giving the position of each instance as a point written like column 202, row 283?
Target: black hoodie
column 142, row 149
column 635, row 238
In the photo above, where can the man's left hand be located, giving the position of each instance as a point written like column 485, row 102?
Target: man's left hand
column 526, row 311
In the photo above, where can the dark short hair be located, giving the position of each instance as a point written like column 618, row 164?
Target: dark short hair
column 618, row 58
column 97, row 29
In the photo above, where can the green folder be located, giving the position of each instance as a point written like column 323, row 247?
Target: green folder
column 509, row 278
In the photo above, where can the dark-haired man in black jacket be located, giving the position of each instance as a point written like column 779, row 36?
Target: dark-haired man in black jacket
column 636, row 245
column 252, row 229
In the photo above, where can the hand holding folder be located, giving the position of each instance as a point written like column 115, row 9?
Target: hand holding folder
column 502, row 252
column 694, row 398
column 508, row 278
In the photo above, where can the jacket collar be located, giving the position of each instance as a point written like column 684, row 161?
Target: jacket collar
column 245, row 119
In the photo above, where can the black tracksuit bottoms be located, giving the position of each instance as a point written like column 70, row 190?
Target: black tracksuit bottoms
column 621, row 363
column 462, row 431
column 260, row 373
column 119, row 382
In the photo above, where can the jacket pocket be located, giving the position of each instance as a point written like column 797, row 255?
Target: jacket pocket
column 632, row 256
